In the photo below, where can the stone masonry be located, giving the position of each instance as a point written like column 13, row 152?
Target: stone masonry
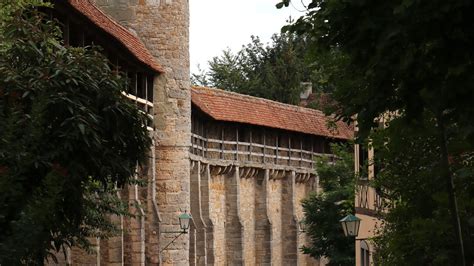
column 163, row 26
column 242, row 181
column 248, row 176
column 253, row 214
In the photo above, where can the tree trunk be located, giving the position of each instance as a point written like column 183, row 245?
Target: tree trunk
column 446, row 171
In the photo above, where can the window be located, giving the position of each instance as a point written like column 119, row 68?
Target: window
column 364, row 254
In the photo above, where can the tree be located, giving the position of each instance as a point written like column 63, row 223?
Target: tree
column 274, row 72
column 417, row 230
column 68, row 140
column 407, row 57
column 323, row 210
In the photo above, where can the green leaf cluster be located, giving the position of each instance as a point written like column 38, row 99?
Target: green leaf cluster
column 68, row 140
column 323, row 210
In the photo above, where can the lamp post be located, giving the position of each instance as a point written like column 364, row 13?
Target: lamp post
column 184, row 219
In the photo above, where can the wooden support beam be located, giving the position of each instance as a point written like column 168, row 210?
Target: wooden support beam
column 126, row 80
column 222, row 143
column 202, row 142
column 264, row 145
column 301, row 151
column 136, row 86
column 289, row 150
column 206, row 142
column 250, row 146
column 147, row 108
column 276, row 150
column 236, row 156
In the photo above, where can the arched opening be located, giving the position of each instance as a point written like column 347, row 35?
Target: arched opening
column 364, row 253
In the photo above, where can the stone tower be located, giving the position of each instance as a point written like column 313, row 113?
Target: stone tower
column 163, row 26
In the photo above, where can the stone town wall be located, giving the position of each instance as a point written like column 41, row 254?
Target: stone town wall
column 242, row 214
column 247, row 215
column 163, row 26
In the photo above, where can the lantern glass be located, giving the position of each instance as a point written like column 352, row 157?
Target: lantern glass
column 350, row 224
column 184, row 219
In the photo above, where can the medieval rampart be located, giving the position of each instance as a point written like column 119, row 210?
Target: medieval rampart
column 248, row 180
column 239, row 164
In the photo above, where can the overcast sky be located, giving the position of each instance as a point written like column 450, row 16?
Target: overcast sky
column 218, row 24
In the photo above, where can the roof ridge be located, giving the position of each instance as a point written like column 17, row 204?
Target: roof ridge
column 260, row 99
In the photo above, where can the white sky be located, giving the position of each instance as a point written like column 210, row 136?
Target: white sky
column 218, row 24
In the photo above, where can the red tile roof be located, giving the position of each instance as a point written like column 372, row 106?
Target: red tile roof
column 233, row 107
column 124, row 36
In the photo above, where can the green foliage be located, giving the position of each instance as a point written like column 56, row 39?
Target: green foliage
column 418, row 229
column 68, row 138
column 412, row 59
column 403, row 56
column 324, row 210
column 274, row 72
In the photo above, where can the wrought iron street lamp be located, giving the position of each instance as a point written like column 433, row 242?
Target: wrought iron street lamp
column 184, row 221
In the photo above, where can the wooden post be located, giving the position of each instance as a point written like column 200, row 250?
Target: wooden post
column 202, row 139
column 301, row 152
column 276, row 150
column 192, row 135
column 250, row 145
column 264, row 145
column 147, row 108
column 126, row 79
column 312, row 152
column 193, row 139
column 289, row 150
column 206, row 142
column 136, row 87
column 237, row 143
column 222, row 143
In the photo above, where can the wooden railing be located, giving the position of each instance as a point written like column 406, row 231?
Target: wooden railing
column 145, row 107
column 368, row 198
column 252, row 152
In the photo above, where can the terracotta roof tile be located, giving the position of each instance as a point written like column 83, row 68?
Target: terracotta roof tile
column 124, row 36
column 233, row 107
